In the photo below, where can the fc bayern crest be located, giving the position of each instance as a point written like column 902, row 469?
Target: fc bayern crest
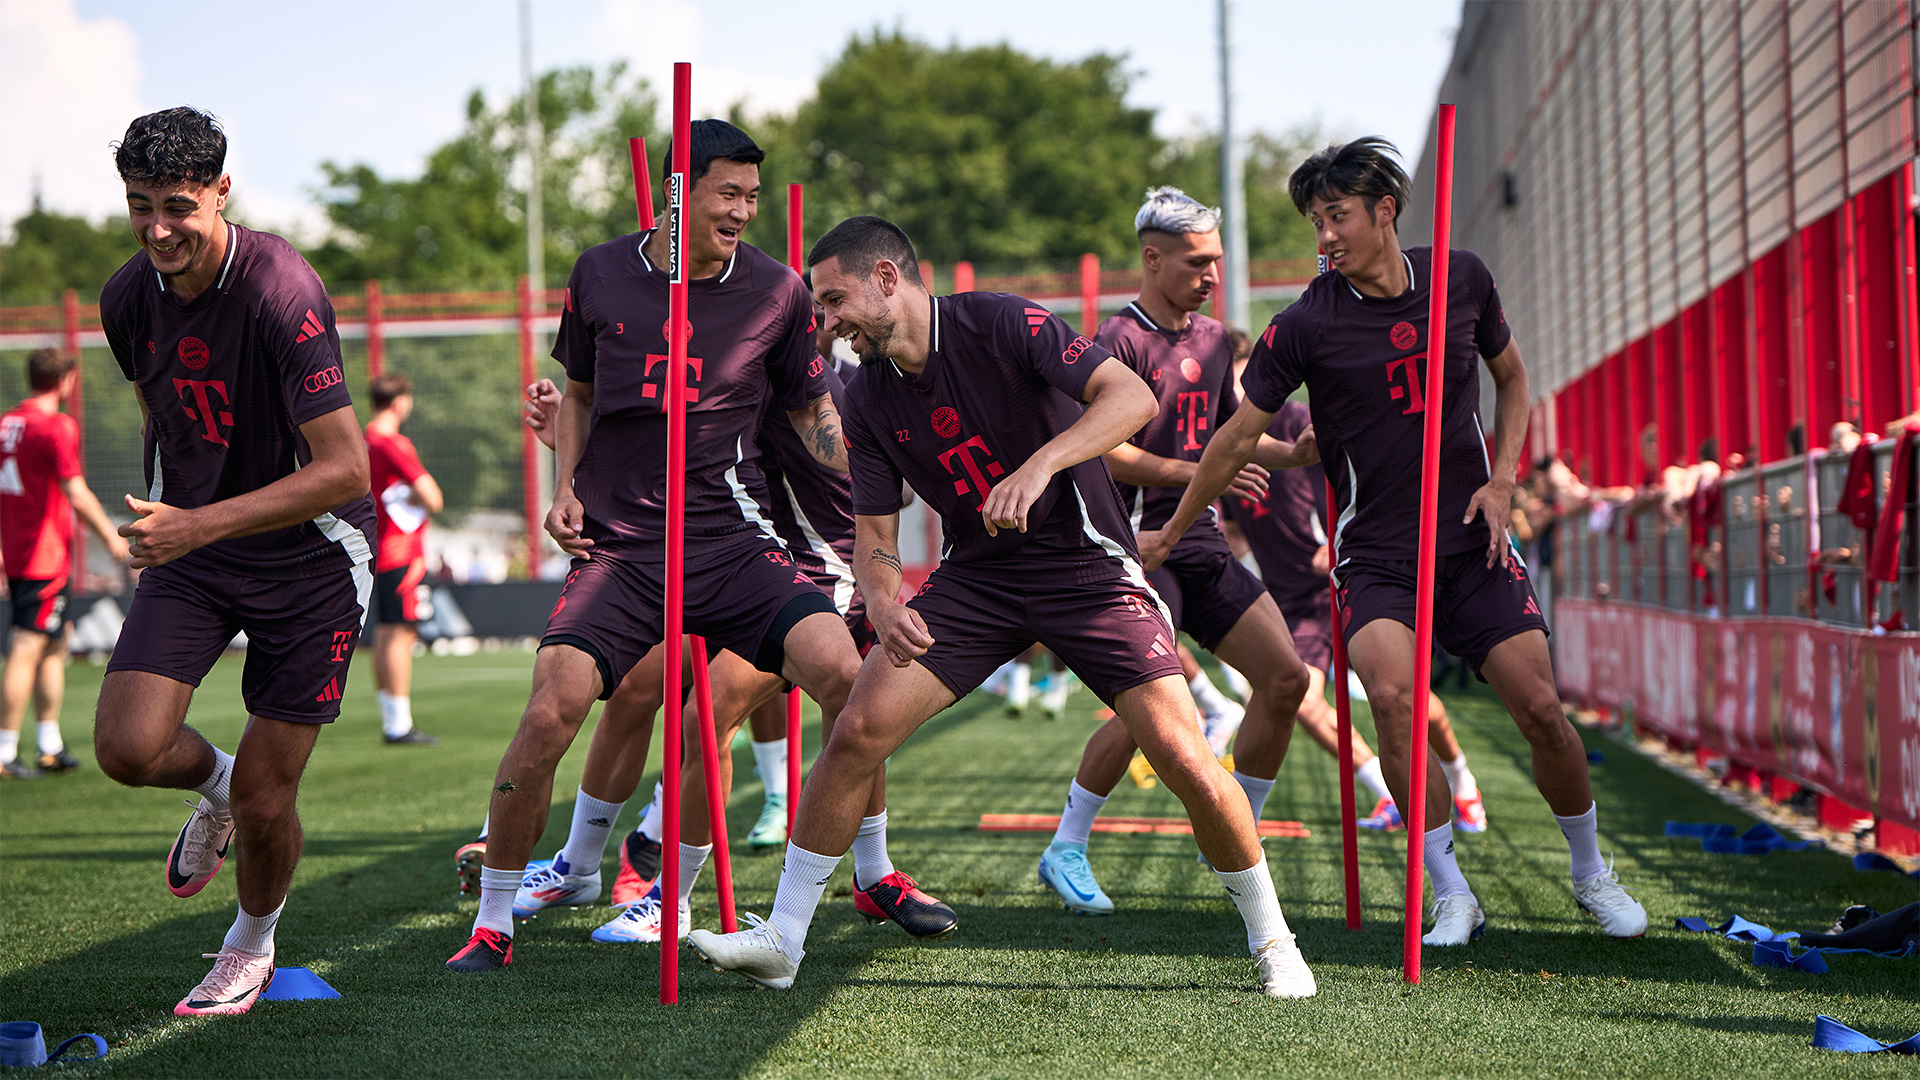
column 1190, row 369
column 946, row 422
column 1403, row 335
column 194, row 353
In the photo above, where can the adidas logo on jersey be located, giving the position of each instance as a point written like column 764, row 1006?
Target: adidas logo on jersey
column 1036, row 318
column 331, row 693
column 309, row 328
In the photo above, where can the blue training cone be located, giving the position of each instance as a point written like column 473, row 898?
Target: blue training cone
column 297, row 984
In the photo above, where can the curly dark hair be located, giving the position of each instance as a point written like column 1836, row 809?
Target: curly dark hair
column 178, row 144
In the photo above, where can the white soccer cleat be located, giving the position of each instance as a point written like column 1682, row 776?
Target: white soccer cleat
column 753, row 953
column 1606, row 899
column 640, row 923
column 231, row 987
column 1055, row 689
column 1283, row 971
column 1220, row 723
column 1456, row 921
column 200, row 849
column 554, row 886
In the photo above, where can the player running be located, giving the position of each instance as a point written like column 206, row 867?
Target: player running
column 1355, row 339
column 1186, row 358
column 751, row 347
column 1287, row 535
column 404, row 494
column 256, row 519
column 41, row 489
column 975, row 400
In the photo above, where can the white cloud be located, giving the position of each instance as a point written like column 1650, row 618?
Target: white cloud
column 71, row 85
column 651, row 35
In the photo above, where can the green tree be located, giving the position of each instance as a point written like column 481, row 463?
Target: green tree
column 462, row 222
column 52, row 253
column 979, row 153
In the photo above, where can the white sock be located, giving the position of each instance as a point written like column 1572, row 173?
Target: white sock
column 1583, row 843
column 396, row 714
column 1076, row 821
column 1459, row 777
column 254, row 933
column 691, row 860
column 652, row 822
column 1442, row 869
column 215, row 785
column 1257, row 791
column 9, row 746
column 587, row 841
column 50, row 740
column 1370, row 775
column 1237, row 684
column 771, row 759
column 1020, row 685
column 1205, row 695
column 870, row 862
column 803, row 879
column 1252, row 892
column 497, row 889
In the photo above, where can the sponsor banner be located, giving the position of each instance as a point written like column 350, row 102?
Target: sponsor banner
column 1831, row 707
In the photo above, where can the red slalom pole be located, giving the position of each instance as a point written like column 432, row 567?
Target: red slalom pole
column 1349, row 813
column 716, row 803
column 642, row 182
column 796, row 258
column 1416, row 812
column 676, row 403
column 793, row 758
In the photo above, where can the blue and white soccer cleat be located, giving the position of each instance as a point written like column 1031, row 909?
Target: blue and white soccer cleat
column 1064, row 869
column 554, row 885
column 1385, row 818
column 1456, row 921
column 639, row 924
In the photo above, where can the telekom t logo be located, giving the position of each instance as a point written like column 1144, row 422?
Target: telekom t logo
column 651, row 391
column 342, row 645
column 194, row 398
column 1403, row 381
column 1191, row 416
column 980, row 478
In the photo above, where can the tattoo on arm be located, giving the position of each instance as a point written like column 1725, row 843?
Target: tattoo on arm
column 886, row 558
column 826, row 439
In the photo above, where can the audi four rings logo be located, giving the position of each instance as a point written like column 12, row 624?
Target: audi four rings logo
column 320, row 380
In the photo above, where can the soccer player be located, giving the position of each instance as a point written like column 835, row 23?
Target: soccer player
column 1355, row 339
column 404, row 493
column 41, row 489
column 976, row 401
column 1287, row 536
column 752, row 346
column 1186, row 358
column 256, row 519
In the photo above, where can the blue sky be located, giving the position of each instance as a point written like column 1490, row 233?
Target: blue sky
column 384, row 82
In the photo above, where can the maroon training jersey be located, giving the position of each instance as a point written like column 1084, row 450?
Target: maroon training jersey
column 1191, row 372
column 751, row 343
column 1363, row 360
column 1004, row 375
column 39, row 452
column 1287, row 527
column 810, row 505
column 228, row 378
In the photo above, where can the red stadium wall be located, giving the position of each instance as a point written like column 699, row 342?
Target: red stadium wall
column 1832, row 708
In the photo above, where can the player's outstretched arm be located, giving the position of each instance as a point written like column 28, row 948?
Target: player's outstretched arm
column 818, row 426
column 1118, row 404
column 1131, row 465
column 338, row 473
column 1227, row 453
column 1494, row 500
column 91, row 513
column 538, row 410
column 878, row 575
column 566, row 521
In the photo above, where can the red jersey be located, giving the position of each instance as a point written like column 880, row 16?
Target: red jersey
column 401, row 524
column 39, row 449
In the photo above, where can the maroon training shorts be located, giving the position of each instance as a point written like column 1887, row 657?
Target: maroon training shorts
column 1474, row 607
column 742, row 593
column 1206, row 589
column 1312, row 630
column 1096, row 616
column 300, row 634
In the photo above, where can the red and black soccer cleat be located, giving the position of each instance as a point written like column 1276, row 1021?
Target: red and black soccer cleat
column 486, row 950
column 899, row 898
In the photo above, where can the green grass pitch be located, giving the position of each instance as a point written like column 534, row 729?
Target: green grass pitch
column 90, row 940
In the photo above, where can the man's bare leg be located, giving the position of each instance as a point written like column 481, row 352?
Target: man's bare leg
column 17, row 688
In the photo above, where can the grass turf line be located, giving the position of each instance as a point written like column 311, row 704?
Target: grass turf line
column 91, row 941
